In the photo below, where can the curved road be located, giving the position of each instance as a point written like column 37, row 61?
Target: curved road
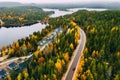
column 76, row 57
column 74, row 61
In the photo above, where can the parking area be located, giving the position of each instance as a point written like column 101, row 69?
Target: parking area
column 50, row 37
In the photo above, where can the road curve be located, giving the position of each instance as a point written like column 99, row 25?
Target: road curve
column 76, row 57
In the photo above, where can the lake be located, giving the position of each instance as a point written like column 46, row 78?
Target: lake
column 9, row 35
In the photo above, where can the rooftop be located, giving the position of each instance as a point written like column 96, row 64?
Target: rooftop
column 13, row 65
column 2, row 73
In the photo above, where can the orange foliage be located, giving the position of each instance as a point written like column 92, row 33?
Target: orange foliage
column 58, row 66
column 73, row 23
column 36, row 53
column 20, row 18
column 8, row 77
column 79, row 69
column 83, row 76
column 41, row 59
column 3, row 48
column 66, row 57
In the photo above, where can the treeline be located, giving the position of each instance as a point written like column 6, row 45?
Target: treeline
column 25, row 45
column 22, row 15
column 29, row 44
column 101, row 58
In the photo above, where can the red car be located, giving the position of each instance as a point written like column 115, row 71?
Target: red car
column 73, row 69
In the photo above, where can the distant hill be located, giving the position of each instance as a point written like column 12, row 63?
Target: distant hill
column 10, row 4
column 107, row 5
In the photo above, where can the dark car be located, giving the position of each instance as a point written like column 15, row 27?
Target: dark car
column 73, row 69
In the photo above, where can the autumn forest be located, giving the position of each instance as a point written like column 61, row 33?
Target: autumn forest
column 100, row 59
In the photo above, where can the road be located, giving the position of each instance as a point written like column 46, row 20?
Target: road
column 13, row 59
column 3, row 58
column 76, row 57
column 4, row 64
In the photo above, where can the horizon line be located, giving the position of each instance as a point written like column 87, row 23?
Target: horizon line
column 59, row 2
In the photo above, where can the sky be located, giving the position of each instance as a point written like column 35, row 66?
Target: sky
column 58, row 1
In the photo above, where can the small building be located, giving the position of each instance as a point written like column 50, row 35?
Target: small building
column 13, row 66
column 3, row 73
column 19, row 60
column 41, row 43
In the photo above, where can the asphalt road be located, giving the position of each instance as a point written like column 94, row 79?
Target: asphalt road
column 4, row 64
column 3, row 58
column 75, row 60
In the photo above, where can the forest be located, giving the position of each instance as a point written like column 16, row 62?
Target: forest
column 51, row 63
column 101, row 56
column 22, row 15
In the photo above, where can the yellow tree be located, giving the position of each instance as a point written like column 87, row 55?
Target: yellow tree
column 25, row 74
column 63, row 62
column 94, row 53
column 93, row 30
column 54, row 76
column 20, row 18
column 89, row 75
column 58, row 41
column 10, row 51
column 117, row 77
column 13, row 45
column 19, row 77
column 83, row 77
column 85, row 50
column 30, row 46
column 17, row 47
column 58, row 65
column 17, row 44
column 77, row 34
column 118, row 54
column 36, row 53
column 51, row 46
column 45, row 77
column 71, row 46
column 24, row 47
column 66, row 56
column 8, row 77
column 72, row 23
column 3, row 53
